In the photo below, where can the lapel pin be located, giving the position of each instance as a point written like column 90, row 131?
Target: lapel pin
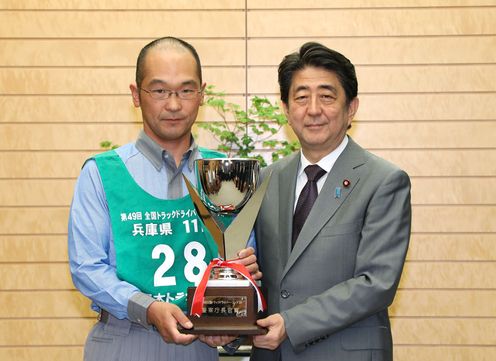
column 346, row 183
column 337, row 192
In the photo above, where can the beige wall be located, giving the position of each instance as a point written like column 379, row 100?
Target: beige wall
column 427, row 80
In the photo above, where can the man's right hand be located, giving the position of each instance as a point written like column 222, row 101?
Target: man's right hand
column 165, row 317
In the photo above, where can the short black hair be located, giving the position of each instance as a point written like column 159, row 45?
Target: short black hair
column 165, row 42
column 319, row 56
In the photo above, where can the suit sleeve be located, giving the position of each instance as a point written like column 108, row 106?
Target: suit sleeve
column 379, row 262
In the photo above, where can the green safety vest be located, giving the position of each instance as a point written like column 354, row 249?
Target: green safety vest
column 161, row 245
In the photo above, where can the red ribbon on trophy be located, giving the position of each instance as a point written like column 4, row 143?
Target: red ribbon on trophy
column 197, row 303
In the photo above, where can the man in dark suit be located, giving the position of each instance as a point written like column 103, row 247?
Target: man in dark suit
column 332, row 238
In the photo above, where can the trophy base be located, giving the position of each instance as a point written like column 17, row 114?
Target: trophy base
column 227, row 310
column 219, row 330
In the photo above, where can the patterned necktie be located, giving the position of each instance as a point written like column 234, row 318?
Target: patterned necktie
column 306, row 200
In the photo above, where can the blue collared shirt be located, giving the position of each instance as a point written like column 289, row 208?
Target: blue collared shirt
column 91, row 245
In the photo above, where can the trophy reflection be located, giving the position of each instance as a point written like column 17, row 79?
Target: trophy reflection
column 227, row 301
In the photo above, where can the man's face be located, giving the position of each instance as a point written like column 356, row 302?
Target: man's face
column 168, row 121
column 317, row 111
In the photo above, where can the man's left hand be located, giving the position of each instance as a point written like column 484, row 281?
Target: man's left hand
column 276, row 335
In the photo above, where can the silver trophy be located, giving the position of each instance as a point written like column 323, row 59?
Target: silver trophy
column 227, row 202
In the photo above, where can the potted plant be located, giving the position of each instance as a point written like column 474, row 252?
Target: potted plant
column 243, row 133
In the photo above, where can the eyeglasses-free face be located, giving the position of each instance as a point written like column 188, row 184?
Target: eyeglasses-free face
column 318, row 112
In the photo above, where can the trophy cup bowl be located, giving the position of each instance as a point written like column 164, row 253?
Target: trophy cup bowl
column 227, row 183
column 227, row 203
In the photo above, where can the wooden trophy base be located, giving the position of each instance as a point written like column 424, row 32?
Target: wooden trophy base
column 219, row 330
column 227, row 310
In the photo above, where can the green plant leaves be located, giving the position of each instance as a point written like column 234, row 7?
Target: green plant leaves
column 241, row 132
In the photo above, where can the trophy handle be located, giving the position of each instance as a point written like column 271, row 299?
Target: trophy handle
column 238, row 232
column 207, row 218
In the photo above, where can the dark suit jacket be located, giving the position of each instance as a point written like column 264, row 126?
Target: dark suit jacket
column 333, row 289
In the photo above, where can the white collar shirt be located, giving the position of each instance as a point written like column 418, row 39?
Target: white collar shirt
column 326, row 163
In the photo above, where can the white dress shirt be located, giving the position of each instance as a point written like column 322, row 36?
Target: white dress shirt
column 325, row 163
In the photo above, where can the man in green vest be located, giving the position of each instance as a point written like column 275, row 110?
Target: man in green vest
column 135, row 241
